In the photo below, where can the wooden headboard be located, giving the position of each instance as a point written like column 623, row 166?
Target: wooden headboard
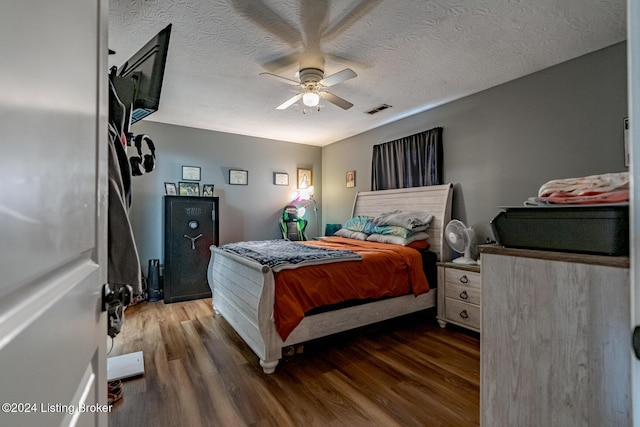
column 435, row 199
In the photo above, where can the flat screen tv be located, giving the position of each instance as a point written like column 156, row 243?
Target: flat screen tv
column 145, row 69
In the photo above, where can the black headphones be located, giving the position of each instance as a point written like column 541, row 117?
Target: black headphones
column 148, row 162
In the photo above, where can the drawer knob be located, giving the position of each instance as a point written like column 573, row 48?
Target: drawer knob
column 463, row 295
column 464, row 279
column 464, row 314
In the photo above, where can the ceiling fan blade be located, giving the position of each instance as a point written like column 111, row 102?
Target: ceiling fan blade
column 351, row 62
column 281, row 79
column 314, row 18
column 336, row 100
column 338, row 77
column 268, row 19
column 281, row 64
column 290, row 102
column 351, row 17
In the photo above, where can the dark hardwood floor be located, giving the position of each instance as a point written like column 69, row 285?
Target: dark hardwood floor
column 198, row 372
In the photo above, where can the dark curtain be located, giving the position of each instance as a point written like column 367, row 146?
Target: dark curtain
column 412, row 161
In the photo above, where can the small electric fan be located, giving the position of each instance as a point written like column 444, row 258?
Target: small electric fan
column 460, row 238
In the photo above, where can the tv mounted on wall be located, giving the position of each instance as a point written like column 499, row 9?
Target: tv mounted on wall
column 138, row 81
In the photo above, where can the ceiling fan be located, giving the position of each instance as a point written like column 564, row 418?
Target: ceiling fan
column 313, row 86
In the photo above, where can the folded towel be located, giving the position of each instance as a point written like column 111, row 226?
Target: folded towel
column 585, row 186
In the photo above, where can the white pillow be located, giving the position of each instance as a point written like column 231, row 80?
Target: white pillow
column 397, row 240
column 350, row 234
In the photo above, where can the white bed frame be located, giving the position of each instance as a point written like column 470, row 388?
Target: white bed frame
column 243, row 290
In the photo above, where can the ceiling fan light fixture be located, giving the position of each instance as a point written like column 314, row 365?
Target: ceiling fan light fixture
column 313, row 85
column 311, row 99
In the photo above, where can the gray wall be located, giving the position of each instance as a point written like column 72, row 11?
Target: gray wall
column 502, row 144
column 247, row 212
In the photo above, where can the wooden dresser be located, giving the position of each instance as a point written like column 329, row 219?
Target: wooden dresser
column 459, row 289
column 556, row 342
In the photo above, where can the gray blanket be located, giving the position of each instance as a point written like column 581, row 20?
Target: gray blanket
column 284, row 254
column 415, row 221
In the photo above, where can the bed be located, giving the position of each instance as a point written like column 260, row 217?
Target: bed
column 243, row 290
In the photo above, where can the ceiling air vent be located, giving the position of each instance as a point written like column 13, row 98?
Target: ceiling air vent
column 379, row 108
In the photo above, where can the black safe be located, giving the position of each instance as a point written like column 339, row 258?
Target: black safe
column 190, row 228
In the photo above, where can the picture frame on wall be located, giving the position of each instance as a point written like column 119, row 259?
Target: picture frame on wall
column 351, row 179
column 207, row 190
column 304, row 178
column 170, row 189
column 238, row 177
column 190, row 173
column 280, row 178
column 189, row 188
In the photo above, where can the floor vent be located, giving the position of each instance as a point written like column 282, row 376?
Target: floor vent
column 379, row 108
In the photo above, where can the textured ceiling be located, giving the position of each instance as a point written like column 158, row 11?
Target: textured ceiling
column 412, row 55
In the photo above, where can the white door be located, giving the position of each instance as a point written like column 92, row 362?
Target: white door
column 53, row 106
column 633, row 58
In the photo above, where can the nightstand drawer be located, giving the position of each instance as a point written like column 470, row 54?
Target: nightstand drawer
column 463, row 293
column 461, row 312
column 459, row 295
column 462, row 277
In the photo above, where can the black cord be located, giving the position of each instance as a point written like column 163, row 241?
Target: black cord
column 109, row 352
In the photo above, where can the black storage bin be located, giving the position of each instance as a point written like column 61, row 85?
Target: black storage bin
column 592, row 229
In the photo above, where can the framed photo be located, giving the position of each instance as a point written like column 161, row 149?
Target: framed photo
column 280, row 178
column 189, row 188
column 170, row 189
column 351, row 179
column 191, row 173
column 304, row 178
column 207, row 190
column 238, row 177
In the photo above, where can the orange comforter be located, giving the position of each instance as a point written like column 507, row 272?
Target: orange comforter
column 385, row 270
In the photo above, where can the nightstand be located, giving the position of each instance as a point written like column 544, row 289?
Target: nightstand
column 459, row 289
